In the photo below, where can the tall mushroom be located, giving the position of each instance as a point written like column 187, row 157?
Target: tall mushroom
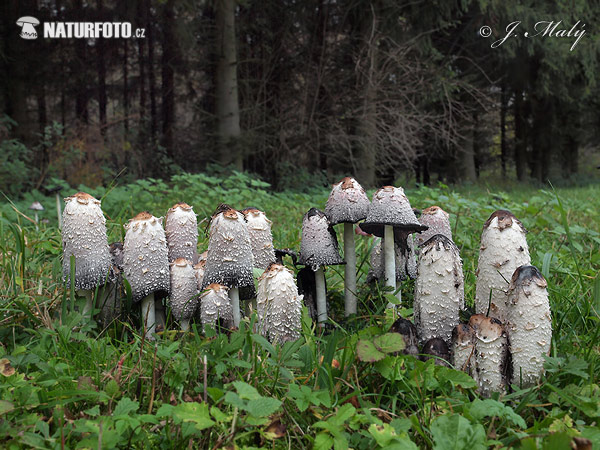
column 261, row 239
column 184, row 292
column 391, row 217
column 348, row 204
column 319, row 248
column 229, row 260
column 439, row 290
column 406, row 262
column 463, row 347
column 146, row 265
column 438, row 222
column 278, row 305
column 503, row 249
column 490, row 356
column 529, row 325
column 84, row 237
column 181, row 229
column 215, row 307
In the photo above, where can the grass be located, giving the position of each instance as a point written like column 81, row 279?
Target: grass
column 69, row 383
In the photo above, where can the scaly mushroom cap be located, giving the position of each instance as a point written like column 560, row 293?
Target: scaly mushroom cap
column 84, row 236
column 503, row 249
column 184, row 290
column 278, row 305
column 463, row 346
column 409, row 335
column 439, row 289
column 261, row 239
column 489, row 368
column 181, row 228
column 529, row 325
column 438, row 222
column 199, row 269
column 436, row 347
column 145, row 256
column 229, row 260
column 390, row 206
column 406, row 261
column 319, row 246
column 347, row 202
column 215, row 307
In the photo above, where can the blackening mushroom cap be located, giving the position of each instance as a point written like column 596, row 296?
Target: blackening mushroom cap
column 437, row 347
column 215, row 307
column 184, row 290
column 526, row 275
column 84, row 236
column 390, row 206
column 487, row 329
column 438, row 222
column 463, row 343
column 181, row 228
column 319, row 246
column 462, row 333
column 505, row 219
column 145, row 256
column 261, row 239
column 116, row 252
column 347, row 202
column 229, row 260
column 406, row 262
column 409, row 334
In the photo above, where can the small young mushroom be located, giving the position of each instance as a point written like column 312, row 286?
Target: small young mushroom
column 348, row 204
column 319, row 248
column 181, row 229
column 438, row 222
column 184, row 292
column 503, row 249
column 215, row 307
column 529, row 325
column 439, row 289
column 391, row 217
column 488, row 367
column 409, row 335
column 36, row 207
column 146, row 265
column 230, row 260
column 261, row 239
column 463, row 347
column 278, row 305
column 438, row 349
column 84, row 237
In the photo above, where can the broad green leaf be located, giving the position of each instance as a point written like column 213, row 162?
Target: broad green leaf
column 490, row 408
column 323, row 441
column 125, row 407
column 456, row 377
column 263, row 407
column 197, row 413
column 367, row 352
column 389, row 342
column 6, row 407
column 454, row 432
column 246, row 391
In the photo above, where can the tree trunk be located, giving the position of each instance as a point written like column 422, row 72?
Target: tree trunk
column 101, row 66
column 520, row 137
column 151, row 75
column 125, row 88
column 168, row 77
column 503, row 148
column 467, row 156
column 81, row 75
column 227, row 106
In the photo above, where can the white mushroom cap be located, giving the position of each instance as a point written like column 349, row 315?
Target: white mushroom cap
column 406, row 262
column 503, row 249
column 199, row 269
column 84, row 236
column 347, row 202
column 229, row 260
column 489, row 368
column 319, row 246
column 390, row 206
column 438, row 222
column 278, row 305
column 463, row 347
column 215, row 307
column 439, row 289
column 261, row 239
column 184, row 290
column 145, row 256
column 529, row 325
column 36, row 206
column 438, row 348
column 28, row 19
column 181, row 228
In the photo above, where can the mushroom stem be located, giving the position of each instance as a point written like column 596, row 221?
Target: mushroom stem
column 234, row 295
column 350, row 279
column 321, row 296
column 159, row 314
column 390, row 260
column 184, row 324
column 148, row 316
column 88, row 308
column 36, row 220
column 58, row 211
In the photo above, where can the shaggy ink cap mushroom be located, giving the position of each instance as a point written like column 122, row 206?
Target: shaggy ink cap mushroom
column 261, row 238
column 84, row 237
column 408, row 331
column 463, row 347
column 145, row 256
column 438, row 349
column 347, row 202
column 181, row 229
column 319, row 246
column 529, row 325
column 215, row 307
column 490, row 355
column 438, row 222
column 406, row 261
column 184, row 290
column 199, row 269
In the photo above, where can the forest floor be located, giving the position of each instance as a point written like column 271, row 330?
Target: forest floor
column 66, row 382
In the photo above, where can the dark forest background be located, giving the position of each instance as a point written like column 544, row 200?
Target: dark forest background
column 299, row 92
